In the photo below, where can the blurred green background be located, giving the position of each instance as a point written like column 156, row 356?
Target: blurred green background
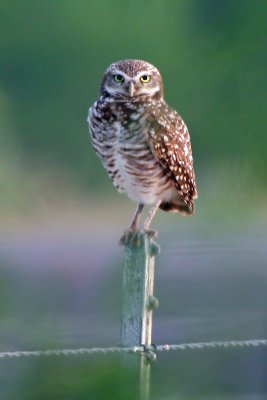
column 212, row 56
column 60, row 266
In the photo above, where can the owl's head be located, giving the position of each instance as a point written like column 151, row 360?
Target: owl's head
column 132, row 80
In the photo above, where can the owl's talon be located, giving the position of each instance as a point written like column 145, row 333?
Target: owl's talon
column 132, row 237
column 135, row 237
column 126, row 237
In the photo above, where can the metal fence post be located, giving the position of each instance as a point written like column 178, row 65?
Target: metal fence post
column 138, row 299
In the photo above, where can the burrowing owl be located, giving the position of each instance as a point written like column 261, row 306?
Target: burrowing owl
column 143, row 143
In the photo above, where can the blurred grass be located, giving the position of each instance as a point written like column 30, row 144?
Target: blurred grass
column 217, row 374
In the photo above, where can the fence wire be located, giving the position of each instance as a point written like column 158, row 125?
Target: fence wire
column 136, row 349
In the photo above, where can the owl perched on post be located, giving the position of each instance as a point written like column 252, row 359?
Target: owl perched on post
column 143, row 142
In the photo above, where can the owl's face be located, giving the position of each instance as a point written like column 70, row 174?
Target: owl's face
column 132, row 80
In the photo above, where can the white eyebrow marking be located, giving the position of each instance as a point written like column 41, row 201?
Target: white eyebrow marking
column 145, row 72
column 118, row 72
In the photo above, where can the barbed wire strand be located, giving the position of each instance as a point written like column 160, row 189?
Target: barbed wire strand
column 136, row 349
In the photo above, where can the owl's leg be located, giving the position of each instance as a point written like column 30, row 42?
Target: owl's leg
column 151, row 214
column 131, row 234
column 137, row 217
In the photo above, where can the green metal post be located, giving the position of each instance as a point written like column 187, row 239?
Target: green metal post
column 138, row 300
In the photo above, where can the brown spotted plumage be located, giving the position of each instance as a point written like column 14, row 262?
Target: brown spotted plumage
column 143, row 143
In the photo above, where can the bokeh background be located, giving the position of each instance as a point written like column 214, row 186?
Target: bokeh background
column 61, row 219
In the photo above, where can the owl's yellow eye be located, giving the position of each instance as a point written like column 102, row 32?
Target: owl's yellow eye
column 145, row 78
column 118, row 78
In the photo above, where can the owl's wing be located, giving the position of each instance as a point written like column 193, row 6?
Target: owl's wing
column 169, row 140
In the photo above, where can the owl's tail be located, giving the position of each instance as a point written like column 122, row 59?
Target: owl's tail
column 185, row 209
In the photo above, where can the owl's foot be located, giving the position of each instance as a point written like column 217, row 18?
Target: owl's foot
column 126, row 236
column 135, row 237
column 131, row 237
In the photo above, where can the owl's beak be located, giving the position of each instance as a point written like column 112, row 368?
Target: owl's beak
column 131, row 89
